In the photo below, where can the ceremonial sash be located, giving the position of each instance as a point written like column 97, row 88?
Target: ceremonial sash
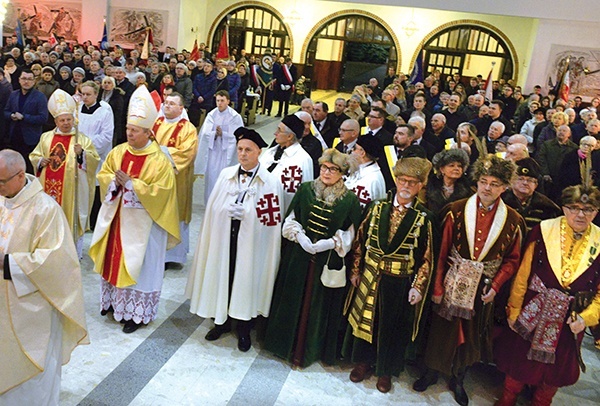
column 173, row 138
column 114, row 271
column 55, row 170
column 288, row 75
column 254, row 75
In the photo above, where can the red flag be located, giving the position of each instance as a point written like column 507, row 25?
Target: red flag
column 223, row 52
column 489, row 94
column 52, row 39
column 195, row 55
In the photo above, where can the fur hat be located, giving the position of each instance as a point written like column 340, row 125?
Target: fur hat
column 491, row 165
column 581, row 194
column 528, row 167
column 414, row 167
column 448, row 156
column 346, row 162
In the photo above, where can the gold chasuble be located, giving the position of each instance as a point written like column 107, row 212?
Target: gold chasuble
column 124, row 223
column 181, row 138
column 34, row 235
column 58, row 177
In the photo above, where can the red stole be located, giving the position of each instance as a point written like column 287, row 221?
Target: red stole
column 132, row 166
column 55, row 170
column 173, row 138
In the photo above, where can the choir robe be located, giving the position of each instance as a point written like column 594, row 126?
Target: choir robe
column 543, row 258
column 42, row 314
column 367, row 183
column 58, row 178
column 179, row 137
column 258, row 250
column 216, row 153
column 136, row 224
column 294, row 167
column 99, row 127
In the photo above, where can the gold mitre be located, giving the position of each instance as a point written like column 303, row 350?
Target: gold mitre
column 61, row 102
column 142, row 109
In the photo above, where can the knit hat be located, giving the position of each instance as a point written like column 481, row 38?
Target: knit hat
column 79, row 70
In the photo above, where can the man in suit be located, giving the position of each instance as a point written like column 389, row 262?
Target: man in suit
column 418, row 124
column 338, row 116
column 375, row 124
column 325, row 126
column 349, row 131
column 286, row 77
column 25, row 113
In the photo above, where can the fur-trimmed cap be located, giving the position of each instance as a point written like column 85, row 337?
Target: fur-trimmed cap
column 414, row 167
column 448, row 156
column 491, row 165
column 346, row 162
column 581, row 194
column 528, row 167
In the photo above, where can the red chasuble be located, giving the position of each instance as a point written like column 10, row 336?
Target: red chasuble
column 56, row 169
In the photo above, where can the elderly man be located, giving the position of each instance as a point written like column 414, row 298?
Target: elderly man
column 65, row 162
column 337, row 116
column 348, row 133
column 138, row 220
column 216, row 148
column 516, row 152
column 288, row 161
column 326, row 127
column 419, row 125
column 440, row 130
column 236, row 260
column 494, row 136
column 480, row 252
column 523, row 197
column 368, row 181
column 388, row 97
column 551, row 156
column 312, row 144
column 42, row 315
column 25, row 113
column 391, row 277
column 178, row 137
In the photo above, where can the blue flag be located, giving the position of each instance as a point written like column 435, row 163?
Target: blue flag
column 417, row 72
column 19, row 34
column 104, row 44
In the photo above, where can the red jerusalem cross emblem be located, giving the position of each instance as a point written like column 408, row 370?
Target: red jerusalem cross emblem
column 291, row 177
column 267, row 210
column 363, row 194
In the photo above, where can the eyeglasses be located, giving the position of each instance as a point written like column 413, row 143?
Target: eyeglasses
column 587, row 211
column 409, row 182
column 371, row 116
column 527, row 179
column 5, row 181
column 330, row 169
column 344, row 129
column 491, row 184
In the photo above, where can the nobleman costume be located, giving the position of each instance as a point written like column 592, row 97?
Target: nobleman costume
column 393, row 252
column 306, row 316
column 558, row 280
column 42, row 315
column 178, row 136
column 480, row 250
column 59, row 177
column 136, row 223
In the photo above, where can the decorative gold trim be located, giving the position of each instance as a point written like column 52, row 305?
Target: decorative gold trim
column 242, row 5
column 351, row 12
column 511, row 48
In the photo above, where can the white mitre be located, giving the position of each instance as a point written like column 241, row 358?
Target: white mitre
column 142, row 108
column 61, row 102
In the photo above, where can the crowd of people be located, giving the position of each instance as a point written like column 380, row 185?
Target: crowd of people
column 416, row 223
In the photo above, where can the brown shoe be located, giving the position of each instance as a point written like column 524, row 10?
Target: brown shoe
column 384, row 384
column 361, row 372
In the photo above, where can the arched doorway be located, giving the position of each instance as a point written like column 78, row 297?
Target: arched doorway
column 254, row 28
column 469, row 50
column 348, row 50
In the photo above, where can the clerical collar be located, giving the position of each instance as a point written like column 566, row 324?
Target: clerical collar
column 90, row 110
column 10, row 200
column 398, row 205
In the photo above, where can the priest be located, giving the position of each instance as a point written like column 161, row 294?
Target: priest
column 138, row 220
column 236, row 259
column 42, row 316
column 65, row 162
column 178, row 138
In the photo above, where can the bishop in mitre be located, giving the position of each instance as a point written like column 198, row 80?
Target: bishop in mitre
column 138, row 219
column 65, row 162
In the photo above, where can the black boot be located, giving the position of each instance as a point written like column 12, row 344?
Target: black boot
column 456, row 386
column 424, row 382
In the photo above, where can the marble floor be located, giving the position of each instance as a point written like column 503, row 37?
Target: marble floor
column 170, row 363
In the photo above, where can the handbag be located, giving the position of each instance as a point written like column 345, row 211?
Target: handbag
column 333, row 278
